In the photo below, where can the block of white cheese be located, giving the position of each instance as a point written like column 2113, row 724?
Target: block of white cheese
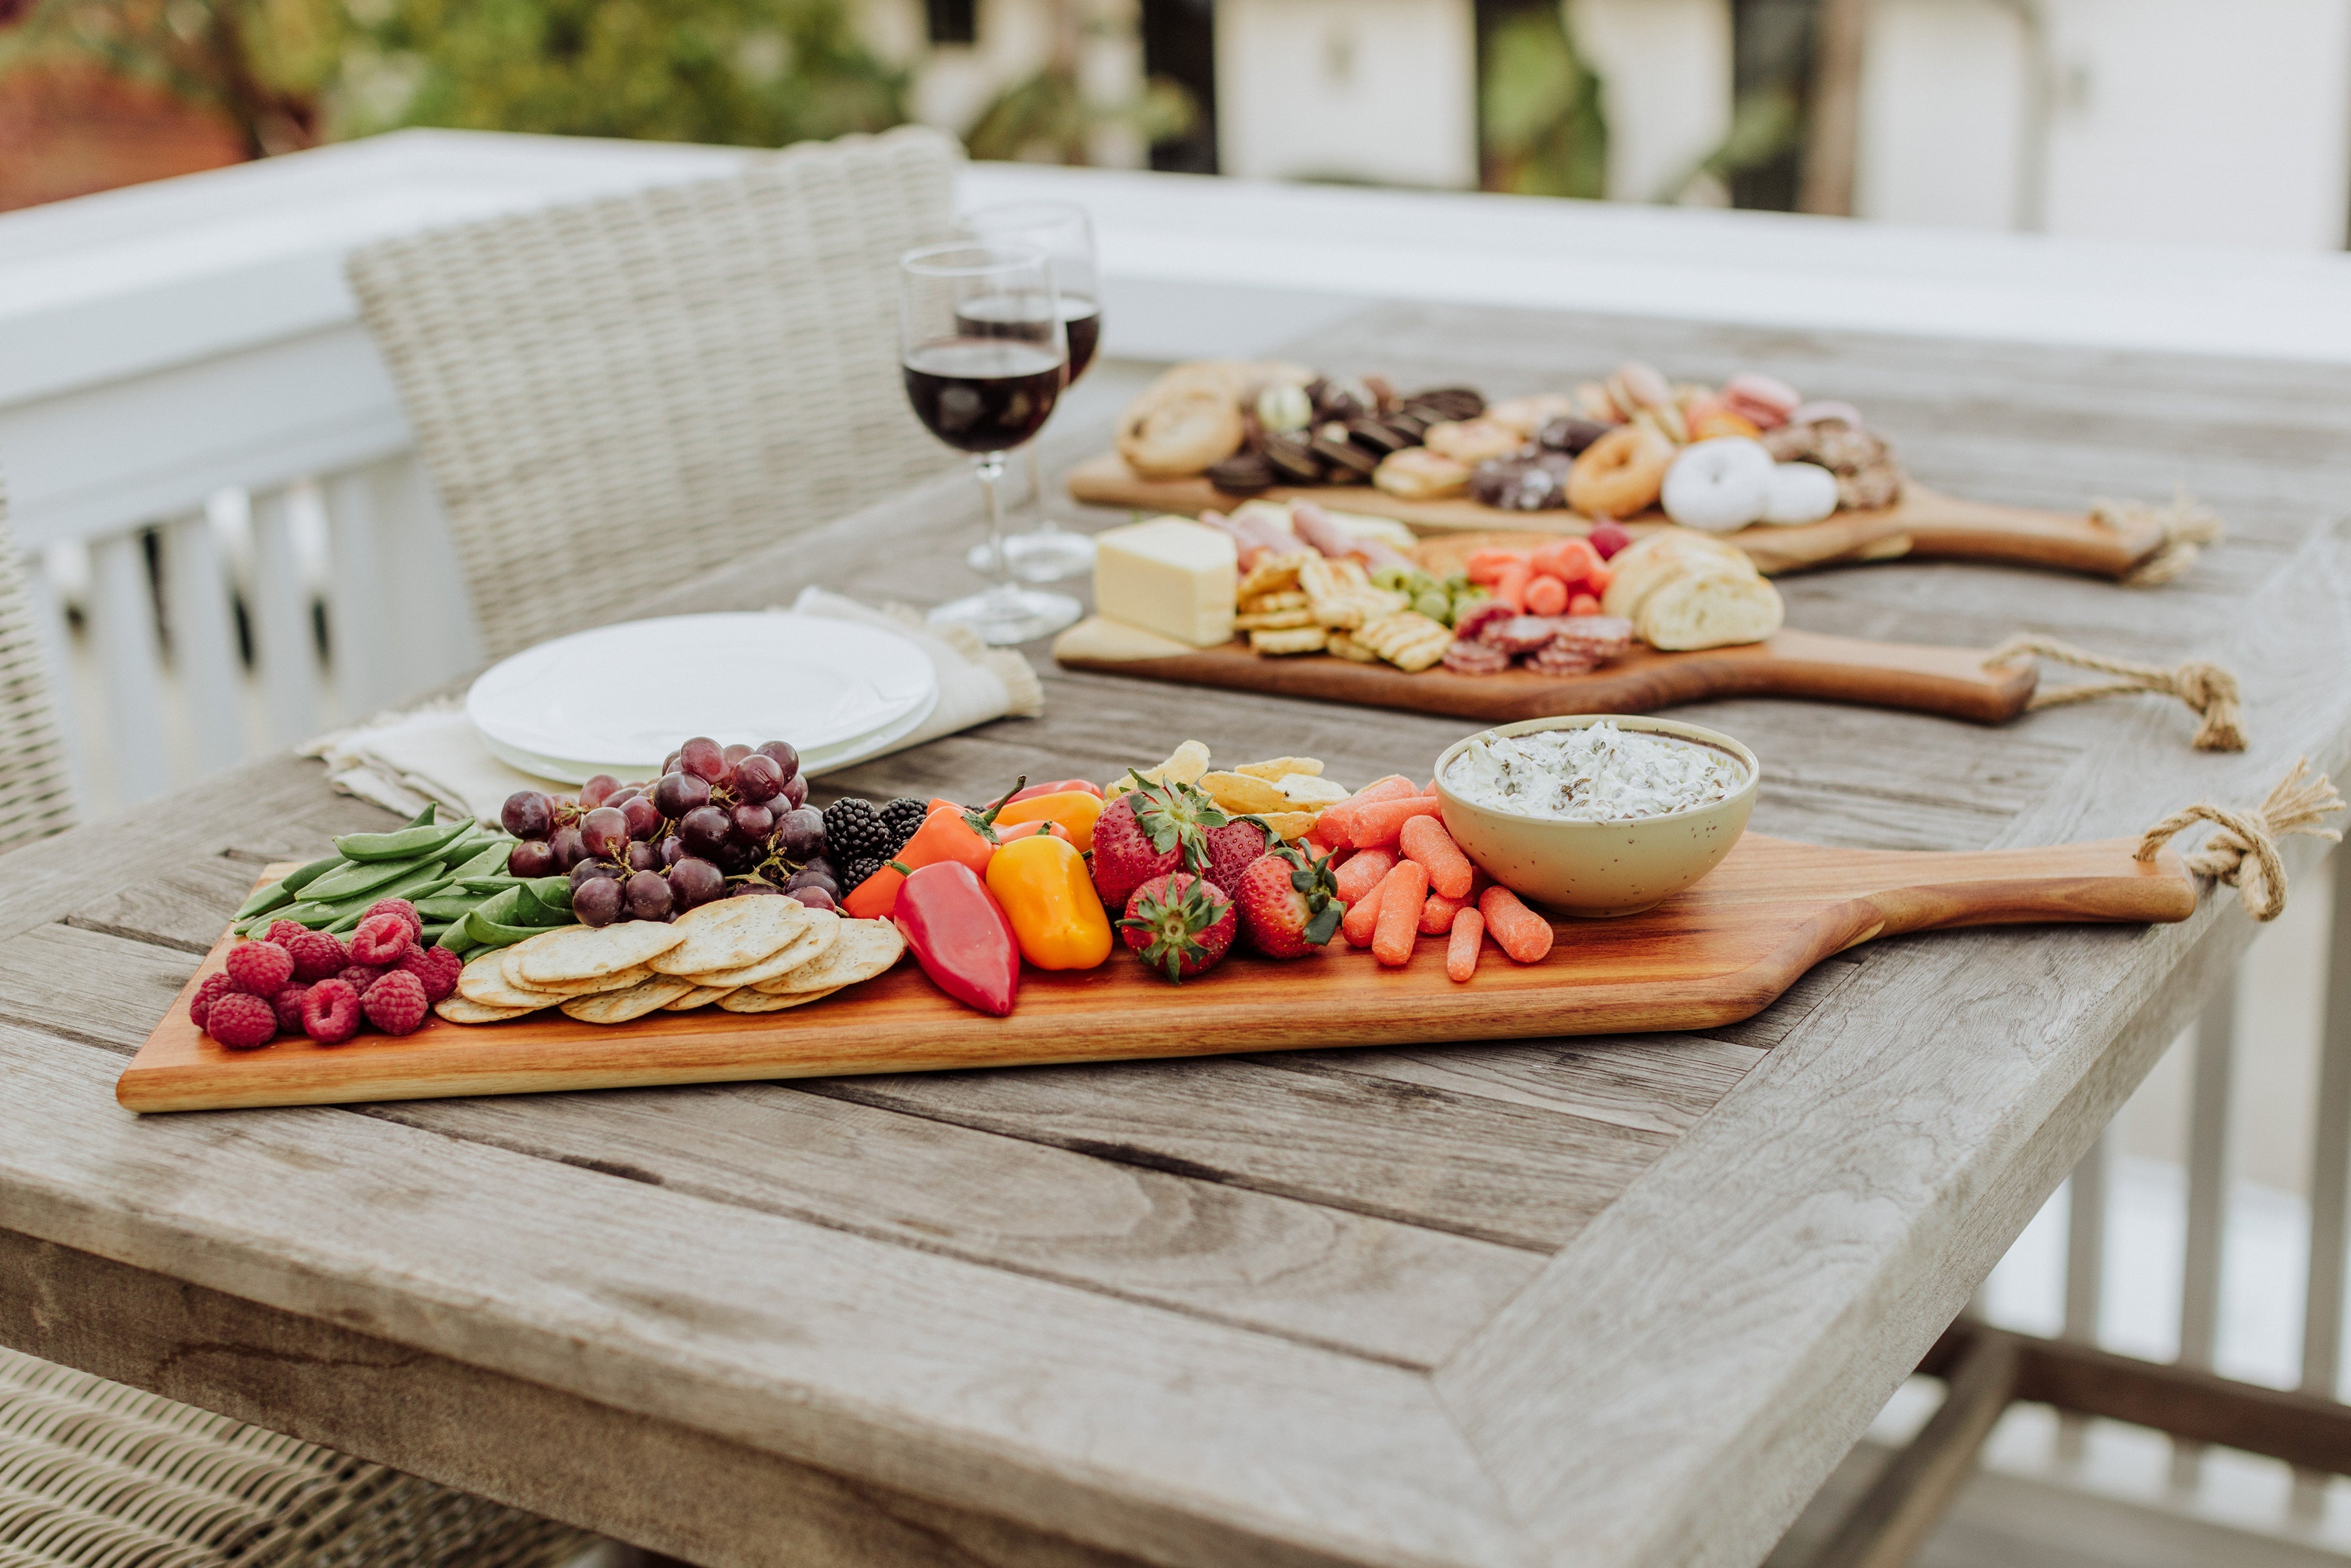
column 1168, row 576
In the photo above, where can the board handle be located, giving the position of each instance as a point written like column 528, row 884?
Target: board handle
column 2095, row 883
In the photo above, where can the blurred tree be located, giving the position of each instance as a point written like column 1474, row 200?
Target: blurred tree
column 1049, row 118
column 751, row 72
column 1541, row 131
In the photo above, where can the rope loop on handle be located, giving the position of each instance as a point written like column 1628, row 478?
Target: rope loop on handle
column 2208, row 689
column 2245, row 839
column 2184, row 527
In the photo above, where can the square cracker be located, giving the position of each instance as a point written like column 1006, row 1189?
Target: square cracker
column 619, row 1006
column 585, row 952
column 750, row 1001
column 728, row 932
column 1305, row 639
column 860, row 949
column 815, row 939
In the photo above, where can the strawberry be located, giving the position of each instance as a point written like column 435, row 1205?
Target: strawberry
column 1288, row 903
column 1181, row 924
column 1149, row 832
column 1231, row 851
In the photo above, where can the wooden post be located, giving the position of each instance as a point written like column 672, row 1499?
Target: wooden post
column 1831, row 145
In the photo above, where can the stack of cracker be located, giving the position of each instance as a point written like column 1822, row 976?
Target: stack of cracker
column 744, row 955
column 1306, row 603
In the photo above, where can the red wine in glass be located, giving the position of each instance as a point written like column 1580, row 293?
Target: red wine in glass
column 983, row 393
column 1081, row 315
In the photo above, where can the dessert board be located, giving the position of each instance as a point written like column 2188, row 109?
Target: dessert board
column 1719, row 953
column 1952, row 682
column 1924, row 523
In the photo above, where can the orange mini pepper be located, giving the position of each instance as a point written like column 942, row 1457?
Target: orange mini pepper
column 1043, row 884
column 1074, row 810
column 950, row 832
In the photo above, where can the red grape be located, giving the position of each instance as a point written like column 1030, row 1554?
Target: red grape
column 820, row 881
column 759, row 779
column 589, row 870
column 644, row 818
column 532, row 857
column 755, row 889
column 705, row 829
column 605, row 832
column 678, row 793
column 701, row 757
column 596, row 791
column 696, row 882
column 569, row 848
column 799, row 834
column 735, row 754
column 754, row 822
column 795, row 793
column 814, row 898
column 648, row 894
column 597, row 902
column 528, row 814
column 643, row 856
column 784, row 757
column 672, row 849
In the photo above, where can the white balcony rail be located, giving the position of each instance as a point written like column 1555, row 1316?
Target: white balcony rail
column 234, row 547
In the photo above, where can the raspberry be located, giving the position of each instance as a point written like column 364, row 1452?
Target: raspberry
column 359, row 976
column 283, row 933
column 241, row 1020
column 395, row 1004
column 317, row 955
column 400, row 907
column 260, row 968
column 330, row 1013
column 381, row 939
column 435, row 968
column 216, row 986
column 287, row 1005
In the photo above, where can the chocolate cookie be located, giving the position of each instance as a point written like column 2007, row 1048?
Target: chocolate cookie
column 1452, row 403
column 1571, row 434
column 1348, row 463
column 1377, row 437
column 1537, row 484
column 1292, row 460
column 1243, row 474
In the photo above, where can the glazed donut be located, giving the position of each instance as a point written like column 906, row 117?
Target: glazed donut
column 1620, row 473
column 1799, row 493
column 1417, row 473
column 1473, row 440
column 1180, row 434
column 1527, row 414
column 1719, row 485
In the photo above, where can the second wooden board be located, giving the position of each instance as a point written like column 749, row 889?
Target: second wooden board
column 1719, row 953
column 1925, row 523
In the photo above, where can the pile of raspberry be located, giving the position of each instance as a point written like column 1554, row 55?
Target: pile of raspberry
column 296, row 981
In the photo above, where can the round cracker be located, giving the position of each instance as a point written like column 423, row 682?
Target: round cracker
column 816, row 939
column 619, row 980
column 464, row 1009
column 587, row 952
column 747, row 1000
column 731, row 932
column 860, row 949
column 620, row 1007
column 701, row 996
column 484, row 983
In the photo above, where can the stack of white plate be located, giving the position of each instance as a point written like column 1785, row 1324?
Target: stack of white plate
column 620, row 699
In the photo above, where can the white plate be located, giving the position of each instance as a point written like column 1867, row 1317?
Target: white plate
column 812, row 763
column 619, row 698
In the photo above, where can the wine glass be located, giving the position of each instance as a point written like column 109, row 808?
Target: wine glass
column 981, row 343
column 1048, row 553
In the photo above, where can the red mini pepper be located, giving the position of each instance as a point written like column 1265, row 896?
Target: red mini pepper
column 960, row 936
column 1056, row 788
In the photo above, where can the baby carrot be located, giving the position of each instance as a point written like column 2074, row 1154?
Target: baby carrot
column 1398, row 925
column 1523, row 934
column 1437, row 914
column 1362, row 917
column 1425, row 839
column 1510, row 588
column 1461, row 949
column 1362, row 873
column 1330, row 827
column 1380, row 823
column 1546, row 594
column 1487, row 565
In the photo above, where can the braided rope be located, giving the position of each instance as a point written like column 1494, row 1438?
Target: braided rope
column 2208, row 689
column 2250, row 836
column 2185, row 526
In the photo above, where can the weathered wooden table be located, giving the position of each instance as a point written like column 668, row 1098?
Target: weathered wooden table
column 1596, row 1302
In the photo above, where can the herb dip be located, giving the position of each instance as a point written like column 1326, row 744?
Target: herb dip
column 1594, row 774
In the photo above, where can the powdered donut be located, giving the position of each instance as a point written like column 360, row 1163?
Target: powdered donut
column 1719, row 484
column 1620, row 473
column 1799, row 493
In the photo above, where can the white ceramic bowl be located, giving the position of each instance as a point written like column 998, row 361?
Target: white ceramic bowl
column 1600, row 868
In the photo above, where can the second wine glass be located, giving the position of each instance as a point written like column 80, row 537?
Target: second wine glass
column 984, row 352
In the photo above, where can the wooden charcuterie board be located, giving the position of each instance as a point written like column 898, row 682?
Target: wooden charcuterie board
column 1952, row 682
column 1924, row 524
column 1712, row 955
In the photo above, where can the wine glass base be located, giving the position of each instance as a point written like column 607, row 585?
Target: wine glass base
column 1041, row 555
column 1004, row 616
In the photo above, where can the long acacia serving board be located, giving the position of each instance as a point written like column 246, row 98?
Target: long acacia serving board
column 1924, row 523
column 1953, row 681
column 1716, row 954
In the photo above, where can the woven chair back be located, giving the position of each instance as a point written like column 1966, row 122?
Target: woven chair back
column 97, row 1475
column 616, row 395
column 36, row 787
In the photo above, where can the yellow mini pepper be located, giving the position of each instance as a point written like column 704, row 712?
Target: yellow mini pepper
column 1074, row 810
column 1056, row 916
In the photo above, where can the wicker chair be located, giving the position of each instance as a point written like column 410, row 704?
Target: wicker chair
column 616, row 395
column 97, row 1475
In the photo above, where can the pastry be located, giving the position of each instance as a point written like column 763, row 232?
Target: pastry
column 1866, row 472
column 1640, row 567
column 1714, row 606
column 1472, row 441
column 1719, row 485
column 1799, row 493
column 1529, row 415
column 1621, row 474
column 1181, row 434
column 1417, row 473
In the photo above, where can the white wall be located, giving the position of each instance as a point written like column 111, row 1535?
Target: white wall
column 1381, row 90
column 1665, row 70
column 1943, row 112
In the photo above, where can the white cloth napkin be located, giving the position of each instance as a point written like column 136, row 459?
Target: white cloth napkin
column 432, row 752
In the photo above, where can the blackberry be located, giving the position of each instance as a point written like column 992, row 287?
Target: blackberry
column 859, row 869
column 900, row 819
column 854, row 830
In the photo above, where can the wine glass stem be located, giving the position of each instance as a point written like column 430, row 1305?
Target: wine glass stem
column 989, row 467
column 1037, row 488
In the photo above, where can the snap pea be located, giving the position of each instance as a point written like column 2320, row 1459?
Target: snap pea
column 488, row 861
column 362, row 876
column 443, row 907
column 283, row 890
column 265, row 899
column 405, row 845
column 555, row 892
column 457, row 938
column 485, row 885
column 422, row 884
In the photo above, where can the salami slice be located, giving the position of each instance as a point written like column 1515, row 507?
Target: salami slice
column 1470, row 623
column 1604, row 636
column 1476, row 659
column 1557, row 660
column 1521, row 633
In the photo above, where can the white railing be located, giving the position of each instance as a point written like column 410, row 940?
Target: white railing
column 234, row 547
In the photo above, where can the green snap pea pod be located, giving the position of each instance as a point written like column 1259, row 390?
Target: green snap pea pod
column 433, row 933
column 443, row 907
column 489, row 860
column 485, row 885
column 458, row 938
column 555, row 892
column 422, row 884
column 405, row 845
column 365, row 877
column 491, row 924
column 283, row 890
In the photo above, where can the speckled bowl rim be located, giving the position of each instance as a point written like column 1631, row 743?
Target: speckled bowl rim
column 1677, row 729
